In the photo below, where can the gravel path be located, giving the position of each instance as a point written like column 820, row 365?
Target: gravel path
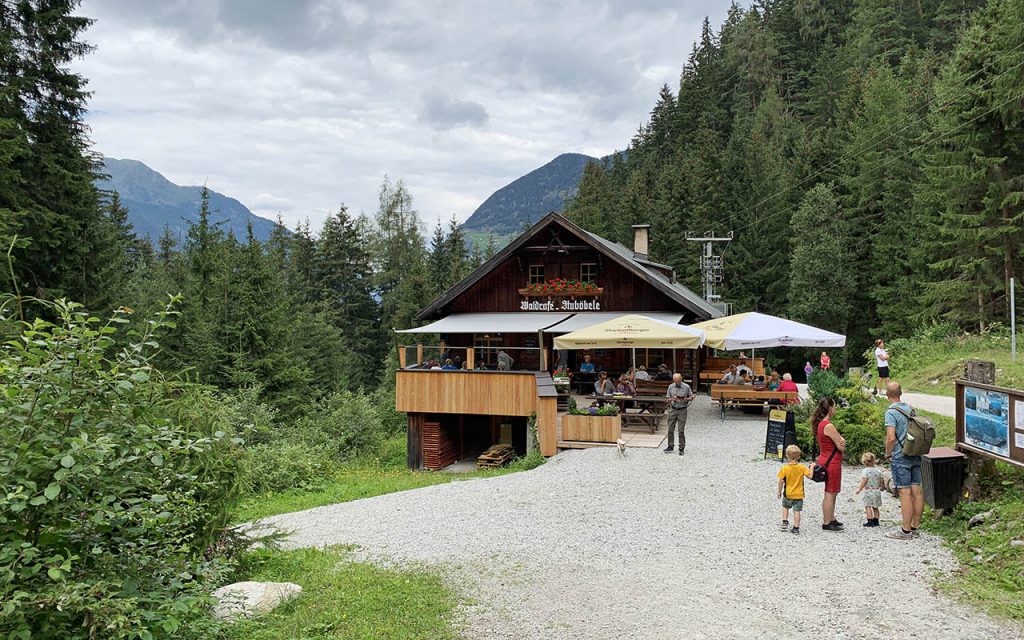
column 942, row 405
column 592, row 545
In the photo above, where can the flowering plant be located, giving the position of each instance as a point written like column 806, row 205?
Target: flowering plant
column 562, row 372
column 562, row 285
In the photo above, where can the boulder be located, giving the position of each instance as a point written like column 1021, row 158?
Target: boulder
column 979, row 518
column 246, row 599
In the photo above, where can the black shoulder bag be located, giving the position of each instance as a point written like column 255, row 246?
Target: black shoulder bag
column 818, row 472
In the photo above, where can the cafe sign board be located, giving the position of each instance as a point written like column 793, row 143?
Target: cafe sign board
column 560, row 305
column 990, row 421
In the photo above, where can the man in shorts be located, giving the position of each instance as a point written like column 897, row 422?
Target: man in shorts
column 906, row 470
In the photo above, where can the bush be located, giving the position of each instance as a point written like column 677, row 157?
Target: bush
column 824, row 383
column 344, row 425
column 284, row 465
column 114, row 485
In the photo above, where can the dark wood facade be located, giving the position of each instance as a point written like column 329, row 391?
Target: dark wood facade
column 457, row 413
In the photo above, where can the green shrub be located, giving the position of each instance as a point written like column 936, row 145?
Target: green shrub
column 343, row 426
column 284, row 465
column 114, row 485
column 824, row 383
column 862, row 424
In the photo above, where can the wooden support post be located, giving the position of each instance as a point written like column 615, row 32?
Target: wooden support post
column 401, row 356
column 419, row 353
column 414, row 442
column 544, row 359
column 470, row 358
column 979, row 468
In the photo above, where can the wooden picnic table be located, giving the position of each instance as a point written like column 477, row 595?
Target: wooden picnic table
column 650, row 408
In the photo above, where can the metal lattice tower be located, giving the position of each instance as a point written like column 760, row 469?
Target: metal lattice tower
column 712, row 267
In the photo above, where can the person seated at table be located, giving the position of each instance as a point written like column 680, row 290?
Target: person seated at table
column 742, row 378
column 504, row 361
column 604, row 386
column 743, row 369
column 587, row 366
column 731, row 376
column 480, row 365
column 663, row 372
column 787, row 384
column 774, row 381
column 625, row 386
column 449, row 365
column 457, row 361
column 641, row 373
column 435, row 365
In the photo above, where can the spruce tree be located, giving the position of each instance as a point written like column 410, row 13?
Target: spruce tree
column 822, row 272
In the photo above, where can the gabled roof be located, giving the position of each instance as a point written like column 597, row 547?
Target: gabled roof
column 640, row 267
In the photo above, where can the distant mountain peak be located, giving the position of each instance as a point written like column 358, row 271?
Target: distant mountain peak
column 154, row 202
column 530, row 197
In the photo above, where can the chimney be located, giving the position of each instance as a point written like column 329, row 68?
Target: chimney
column 641, row 239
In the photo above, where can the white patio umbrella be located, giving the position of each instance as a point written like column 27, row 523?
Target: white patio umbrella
column 754, row 330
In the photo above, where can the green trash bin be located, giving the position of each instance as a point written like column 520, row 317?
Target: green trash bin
column 942, row 477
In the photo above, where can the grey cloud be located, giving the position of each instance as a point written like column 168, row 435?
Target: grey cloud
column 444, row 112
column 308, row 103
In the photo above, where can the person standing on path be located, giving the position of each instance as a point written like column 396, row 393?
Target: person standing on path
column 882, row 363
column 791, row 487
column 808, row 370
column 826, row 362
column 871, row 485
column 832, row 445
column 680, row 396
column 906, row 470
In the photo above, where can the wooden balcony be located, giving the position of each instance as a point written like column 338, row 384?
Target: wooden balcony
column 487, row 393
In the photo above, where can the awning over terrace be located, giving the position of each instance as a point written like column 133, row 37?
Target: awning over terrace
column 584, row 320
column 518, row 322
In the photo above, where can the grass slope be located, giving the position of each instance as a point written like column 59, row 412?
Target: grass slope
column 930, row 361
column 342, row 598
column 365, row 479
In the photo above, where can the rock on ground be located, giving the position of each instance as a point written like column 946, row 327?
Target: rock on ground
column 598, row 546
column 246, row 599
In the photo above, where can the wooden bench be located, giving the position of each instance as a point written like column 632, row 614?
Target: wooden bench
column 736, row 396
column 652, row 387
column 651, row 420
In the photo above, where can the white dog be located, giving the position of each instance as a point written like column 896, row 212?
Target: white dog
column 621, row 444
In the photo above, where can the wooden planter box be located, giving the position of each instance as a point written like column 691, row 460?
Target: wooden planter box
column 591, row 428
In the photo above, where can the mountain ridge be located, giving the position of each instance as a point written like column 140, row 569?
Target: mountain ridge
column 529, row 197
column 154, row 202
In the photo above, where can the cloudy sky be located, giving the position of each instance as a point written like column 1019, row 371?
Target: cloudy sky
column 296, row 106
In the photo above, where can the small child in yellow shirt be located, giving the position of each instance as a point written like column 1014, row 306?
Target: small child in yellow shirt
column 791, row 488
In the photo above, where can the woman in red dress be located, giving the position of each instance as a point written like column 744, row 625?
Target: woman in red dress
column 826, row 362
column 832, row 445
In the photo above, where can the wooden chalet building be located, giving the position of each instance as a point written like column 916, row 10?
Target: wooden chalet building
column 509, row 308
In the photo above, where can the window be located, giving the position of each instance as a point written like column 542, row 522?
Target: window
column 536, row 274
column 486, row 349
column 588, row 272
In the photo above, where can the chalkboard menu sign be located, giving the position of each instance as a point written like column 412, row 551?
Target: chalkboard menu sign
column 780, row 434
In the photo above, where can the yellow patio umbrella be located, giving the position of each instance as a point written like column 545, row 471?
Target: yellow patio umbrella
column 632, row 331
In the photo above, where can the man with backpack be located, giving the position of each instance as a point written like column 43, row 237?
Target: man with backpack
column 907, row 438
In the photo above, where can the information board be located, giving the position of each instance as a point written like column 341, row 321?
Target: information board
column 990, row 421
column 781, row 433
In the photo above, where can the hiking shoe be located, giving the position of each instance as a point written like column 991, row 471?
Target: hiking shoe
column 795, row 531
column 669, row 449
column 916, row 533
column 831, row 527
column 680, row 452
column 785, row 525
column 900, row 534
column 837, row 523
